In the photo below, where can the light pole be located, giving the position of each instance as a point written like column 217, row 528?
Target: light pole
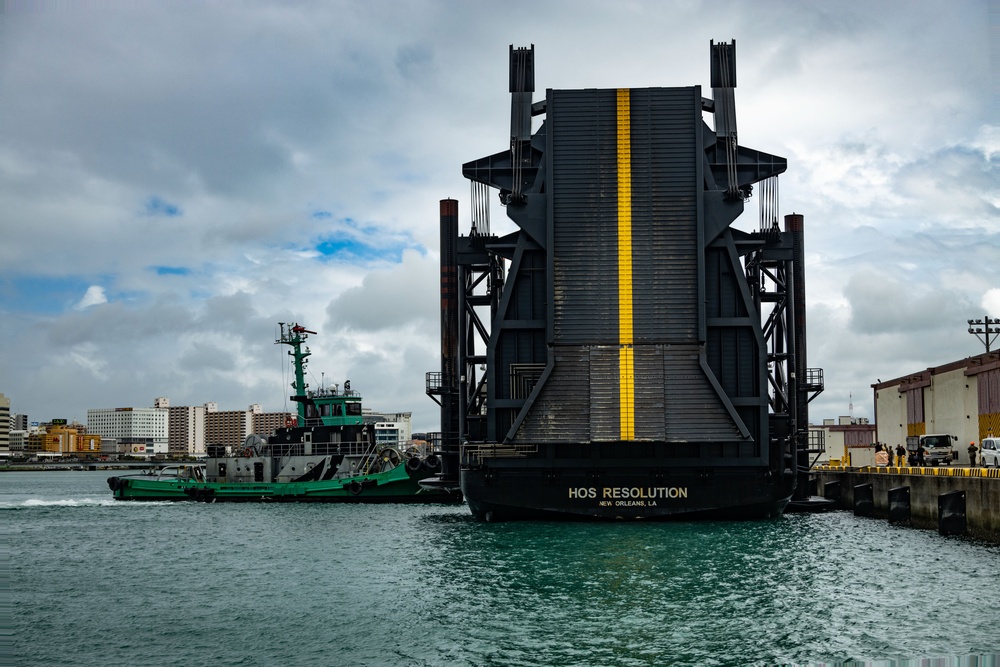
column 986, row 330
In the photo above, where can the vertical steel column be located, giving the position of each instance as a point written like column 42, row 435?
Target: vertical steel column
column 798, row 389
column 449, row 337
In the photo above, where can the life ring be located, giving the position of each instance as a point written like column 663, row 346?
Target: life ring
column 355, row 488
column 248, row 453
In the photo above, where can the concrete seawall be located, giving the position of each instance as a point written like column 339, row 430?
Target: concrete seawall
column 980, row 485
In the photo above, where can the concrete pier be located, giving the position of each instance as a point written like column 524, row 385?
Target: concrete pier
column 981, row 487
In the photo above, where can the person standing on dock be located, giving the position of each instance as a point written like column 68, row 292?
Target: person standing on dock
column 881, row 456
column 972, row 454
column 920, row 455
column 900, row 455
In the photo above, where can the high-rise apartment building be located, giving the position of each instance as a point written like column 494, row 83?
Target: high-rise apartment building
column 227, row 427
column 186, row 430
column 265, row 423
column 192, row 427
column 4, row 425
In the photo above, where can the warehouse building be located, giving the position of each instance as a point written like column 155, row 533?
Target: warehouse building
column 961, row 399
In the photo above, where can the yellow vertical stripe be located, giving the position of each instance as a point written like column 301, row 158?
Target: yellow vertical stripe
column 626, row 363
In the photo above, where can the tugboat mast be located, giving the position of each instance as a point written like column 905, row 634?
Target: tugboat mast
column 294, row 335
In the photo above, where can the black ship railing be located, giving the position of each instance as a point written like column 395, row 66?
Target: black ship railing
column 816, row 442
column 352, row 448
column 814, row 381
column 433, row 382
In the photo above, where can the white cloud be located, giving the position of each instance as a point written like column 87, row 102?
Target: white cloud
column 94, row 296
column 991, row 301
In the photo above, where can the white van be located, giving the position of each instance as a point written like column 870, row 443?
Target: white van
column 989, row 452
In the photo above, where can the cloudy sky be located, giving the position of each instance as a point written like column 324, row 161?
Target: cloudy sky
column 177, row 177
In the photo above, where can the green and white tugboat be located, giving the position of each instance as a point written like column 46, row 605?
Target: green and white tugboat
column 328, row 455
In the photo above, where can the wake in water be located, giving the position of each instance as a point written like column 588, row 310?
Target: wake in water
column 28, row 503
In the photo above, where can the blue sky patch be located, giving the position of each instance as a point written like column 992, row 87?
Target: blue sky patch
column 171, row 270
column 43, row 295
column 158, row 206
column 352, row 249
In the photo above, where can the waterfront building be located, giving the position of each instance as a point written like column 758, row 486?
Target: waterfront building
column 961, row 398
column 390, row 427
column 18, row 440
column 847, row 436
column 388, row 434
column 265, row 423
column 186, row 430
column 4, row 425
column 227, row 427
column 139, row 431
column 19, row 422
column 62, row 440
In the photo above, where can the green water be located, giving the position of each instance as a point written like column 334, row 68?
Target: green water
column 94, row 582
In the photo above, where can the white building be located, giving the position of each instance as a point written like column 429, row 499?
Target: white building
column 961, row 399
column 846, row 439
column 390, row 427
column 139, row 431
column 18, row 439
column 389, row 433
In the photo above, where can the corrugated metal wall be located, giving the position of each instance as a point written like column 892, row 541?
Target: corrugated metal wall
column 988, row 386
column 666, row 192
column 673, row 400
column 584, row 196
column 915, row 412
column 693, row 410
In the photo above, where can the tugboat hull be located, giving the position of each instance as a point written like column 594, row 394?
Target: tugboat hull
column 395, row 486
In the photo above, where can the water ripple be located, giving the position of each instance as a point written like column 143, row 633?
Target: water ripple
column 95, row 582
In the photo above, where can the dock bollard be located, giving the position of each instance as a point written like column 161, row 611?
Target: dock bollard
column 951, row 513
column 899, row 504
column 864, row 500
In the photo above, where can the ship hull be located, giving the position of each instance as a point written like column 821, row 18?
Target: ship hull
column 567, row 493
column 394, row 486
